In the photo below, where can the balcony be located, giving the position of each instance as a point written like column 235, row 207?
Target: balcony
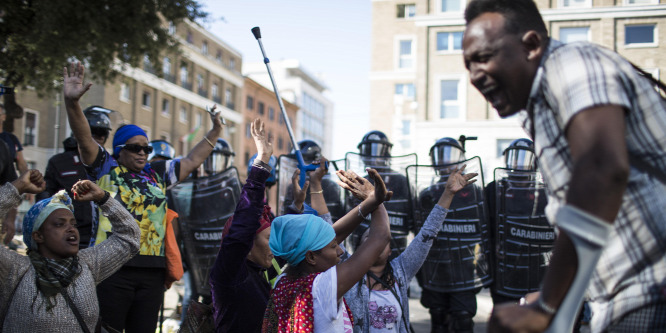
column 217, row 99
column 170, row 78
column 202, row 92
column 186, row 85
column 231, row 105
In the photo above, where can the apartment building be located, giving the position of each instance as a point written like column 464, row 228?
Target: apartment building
column 298, row 86
column 169, row 107
column 420, row 89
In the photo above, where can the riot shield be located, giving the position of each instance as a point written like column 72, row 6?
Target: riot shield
column 204, row 205
column 399, row 208
column 523, row 237
column 458, row 258
column 287, row 164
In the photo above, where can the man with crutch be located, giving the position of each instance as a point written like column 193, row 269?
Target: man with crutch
column 599, row 128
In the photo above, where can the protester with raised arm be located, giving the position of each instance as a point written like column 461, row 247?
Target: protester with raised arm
column 53, row 288
column 131, row 298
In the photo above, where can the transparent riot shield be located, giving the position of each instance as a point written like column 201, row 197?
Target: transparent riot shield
column 522, row 235
column 287, row 164
column 399, row 208
column 458, row 258
column 204, row 205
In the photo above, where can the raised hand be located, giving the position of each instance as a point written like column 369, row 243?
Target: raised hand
column 359, row 187
column 457, row 180
column 73, row 86
column 85, row 190
column 31, row 181
column 264, row 148
column 299, row 193
column 381, row 194
column 317, row 175
column 215, row 116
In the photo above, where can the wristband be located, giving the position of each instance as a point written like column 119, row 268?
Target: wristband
column 320, row 191
column 360, row 214
column 545, row 308
column 104, row 199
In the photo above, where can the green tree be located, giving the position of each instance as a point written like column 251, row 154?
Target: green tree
column 39, row 37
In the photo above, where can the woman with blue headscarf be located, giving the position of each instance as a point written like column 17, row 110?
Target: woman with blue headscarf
column 53, row 288
column 131, row 298
column 309, row 297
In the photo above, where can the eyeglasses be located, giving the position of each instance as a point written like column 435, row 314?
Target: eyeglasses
column 136, row 148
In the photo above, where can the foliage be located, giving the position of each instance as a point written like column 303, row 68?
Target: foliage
column 38, row 37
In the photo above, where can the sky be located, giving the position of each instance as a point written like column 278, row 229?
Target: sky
column 330, row 38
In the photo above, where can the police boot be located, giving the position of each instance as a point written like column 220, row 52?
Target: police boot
column 461, row 322
column 439, row 320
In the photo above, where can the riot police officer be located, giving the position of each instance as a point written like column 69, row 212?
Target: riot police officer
column 521, row 237
column 162, row 150
column 66, row 168
column 311, row 152
column 375, row 152
column 453, row 272
column 220, row 159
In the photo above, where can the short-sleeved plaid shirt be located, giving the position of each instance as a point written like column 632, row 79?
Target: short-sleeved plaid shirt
column 573, row 77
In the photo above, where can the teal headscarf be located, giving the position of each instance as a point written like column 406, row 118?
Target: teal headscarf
column 294, row 235
column 38, row 213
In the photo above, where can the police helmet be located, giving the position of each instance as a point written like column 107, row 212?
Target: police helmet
column 98, row 119
column 272, row 162
column 161, row 149
column 446, row 151
column 70, row 144
column 520, row 155
column 310, row 150
column 375, row 143
column 220, row 158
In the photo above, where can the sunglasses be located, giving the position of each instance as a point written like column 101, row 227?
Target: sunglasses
column 136, row 148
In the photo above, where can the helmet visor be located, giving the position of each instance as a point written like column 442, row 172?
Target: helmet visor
column 520, row 159
column 445, row 154
column 375, row 149
column 217, row 162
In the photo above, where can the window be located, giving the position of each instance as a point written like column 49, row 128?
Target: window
column 215, row 90
column 406, row 127
column 406, row 54
column 232, row 63
column 145, row 100
column 260, row 107
column 451, row 6
column 406, row 10
column 172, row 28
column 182, row 115
column 449, row 41
column 271, row 113
column 248, row 131
column 577, row 34
column 124, row 92
column 280, row 143
column 228, row 99
column 30, row 133
column 640, row 35
column 218, row 56
column 281, row 121
column 200, row 81
column 450, row 102
column 405, row 90
column 247, row 158
column 166, row 111
column 198, row 120
column 189, row 38
column 575, row 3
column 204, row 48
column 166, row 66
column 183, row 73
column 249, row 104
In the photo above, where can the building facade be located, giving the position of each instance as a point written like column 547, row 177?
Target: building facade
column 170, row 106
column 298, row 86
column 420, row 89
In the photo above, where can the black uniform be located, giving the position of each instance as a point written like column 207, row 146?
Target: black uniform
column 7, row 171
column 62, row 172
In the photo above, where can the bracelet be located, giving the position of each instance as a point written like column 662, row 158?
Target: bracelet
column 210, row 143
column 360, row 214
column 545, row 307
column 104, row 199
column 316, row 192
